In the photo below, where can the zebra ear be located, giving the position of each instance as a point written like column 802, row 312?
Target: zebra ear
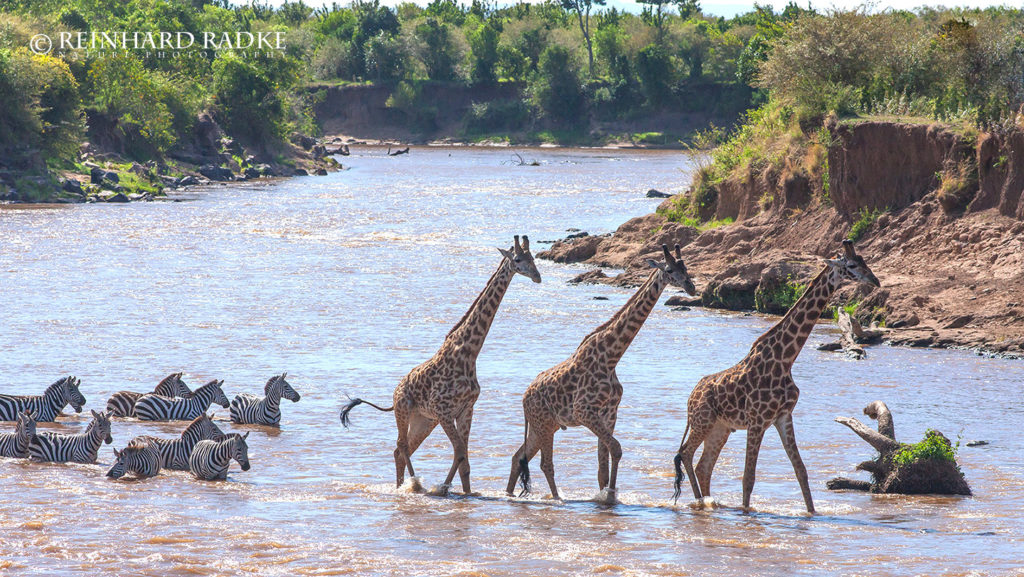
column 246, row 435
column 95, row 415
column 212, row 415
column 117, row 453
column 283, row 375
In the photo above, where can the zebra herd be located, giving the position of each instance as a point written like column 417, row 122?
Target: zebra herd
column 203, row 448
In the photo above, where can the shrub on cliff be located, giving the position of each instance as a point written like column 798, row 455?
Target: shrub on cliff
column 40, row 108
column 555, row 87
column 247, row 101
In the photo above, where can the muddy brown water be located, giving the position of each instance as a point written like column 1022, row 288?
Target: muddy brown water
column 348, row 281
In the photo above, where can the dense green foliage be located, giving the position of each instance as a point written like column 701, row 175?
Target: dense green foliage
column 934, row 446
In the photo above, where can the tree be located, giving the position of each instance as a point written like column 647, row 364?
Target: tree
column 688, row 8
column 654, row 14
column 582, row 10
column 484, row 44
column 556, row 87
column 655, row 70
column 250, row 106
column 436, row 50
column 696, row 41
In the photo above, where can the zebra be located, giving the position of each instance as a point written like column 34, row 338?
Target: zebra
column 46, row 407
column 210, row 460
column 16, row 444
column 252, row 410
column 160, row 408
column 141, row 459
column 80, row 448
column 122, row 403
column 174, row 452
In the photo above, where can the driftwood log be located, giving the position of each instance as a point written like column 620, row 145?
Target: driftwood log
column 397, row 152
column 922, row 476
column 853, row 336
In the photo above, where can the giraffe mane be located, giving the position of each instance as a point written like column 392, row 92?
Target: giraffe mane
column 476, row 301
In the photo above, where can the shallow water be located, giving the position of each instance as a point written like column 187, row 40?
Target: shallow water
column 348, row 281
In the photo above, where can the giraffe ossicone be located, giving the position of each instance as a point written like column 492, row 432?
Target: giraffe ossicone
column 759, row 392
column 444, row 389
column 584, row 390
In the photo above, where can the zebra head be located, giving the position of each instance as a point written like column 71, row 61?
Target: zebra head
column 72, row 395
column 240, row 450
column 118, row 470
column 286, row 391
column 178, row 386
column 206, row 428
column 26, row 427
column 101, row 424
column 218, row 394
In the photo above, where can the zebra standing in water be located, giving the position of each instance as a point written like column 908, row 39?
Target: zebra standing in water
column 16, row 444
column 249, row 409
column 174, row 452
column 80, row 448
column 122, row 403
column 46, row 407
column 140, row 459
column 210, row 460
column 160, row 408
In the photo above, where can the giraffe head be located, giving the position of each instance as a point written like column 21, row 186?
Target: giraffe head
column 675, row 270
column 521, row 259
column 851, row 266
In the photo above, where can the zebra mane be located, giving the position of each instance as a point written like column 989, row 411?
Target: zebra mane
column 60, row 384
column 167, row 385
column 208, row 385
column 195, row 424
column 272, row 381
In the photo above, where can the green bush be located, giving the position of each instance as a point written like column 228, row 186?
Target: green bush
column 555, row 87
column 864, row 223
column 934, row 446
column 778, row 297
column 246, row 99
column 41, row 107
column 496, row 116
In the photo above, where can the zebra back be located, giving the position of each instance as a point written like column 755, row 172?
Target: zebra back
column 174, row 452
column 210, row 460
column 81, row 448
column 250, row 409
column 16, row 444
column 141, row 459
column 47, row 406
column 122, row 403
column 162, row 408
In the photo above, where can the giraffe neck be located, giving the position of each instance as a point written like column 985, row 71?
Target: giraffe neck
column 470, row 332
column 789, row 334
column 617, row 334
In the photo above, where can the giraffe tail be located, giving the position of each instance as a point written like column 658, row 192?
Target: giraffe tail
column 524, row 463
column 353, row 403
column 678, row 462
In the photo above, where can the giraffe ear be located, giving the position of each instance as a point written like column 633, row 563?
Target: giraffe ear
column 655, row 264
column 506, row 253
column 834, row 263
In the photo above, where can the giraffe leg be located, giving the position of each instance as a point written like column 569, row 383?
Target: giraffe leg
column 547, row 462
column 713, row 444
column 784, row 425
column 602, row 465
column 402, row 448
column 526, row 452
column 461, row 459
column 698, row 431
column 465, row 423
column 754, row 436
column 420, row 427
column 605, row 437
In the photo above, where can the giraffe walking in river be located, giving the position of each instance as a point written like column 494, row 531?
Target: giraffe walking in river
column 444, row 389
column 584, row 389
column 759, row 391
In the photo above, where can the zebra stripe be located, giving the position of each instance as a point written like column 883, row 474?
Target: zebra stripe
column 210, row 460
column 46, row 407
column 80, row 448
column 139, row 459
column 174, row 452
column 122, row 403
column 161, row 408
column 253, row 410
column 16, row 444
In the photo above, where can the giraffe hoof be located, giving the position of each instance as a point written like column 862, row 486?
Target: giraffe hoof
column 439, row 491
column 606, row 497
column 413, row 485
column 708, row 503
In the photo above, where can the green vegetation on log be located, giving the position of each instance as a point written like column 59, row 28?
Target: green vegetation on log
column 933, row 447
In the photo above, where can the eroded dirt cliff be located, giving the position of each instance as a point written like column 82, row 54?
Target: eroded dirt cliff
column 946, row 240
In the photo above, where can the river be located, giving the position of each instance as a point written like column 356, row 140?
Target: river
column 347, row 281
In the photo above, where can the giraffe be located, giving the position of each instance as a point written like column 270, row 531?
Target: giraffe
column 759, row 391
column 584, row 389
column 444, row 389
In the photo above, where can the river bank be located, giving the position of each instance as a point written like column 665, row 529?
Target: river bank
column 950, row 260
